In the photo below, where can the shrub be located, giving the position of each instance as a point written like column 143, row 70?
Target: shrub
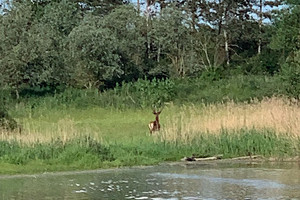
column 290, row 74
column 6, row 121
column 146, row 93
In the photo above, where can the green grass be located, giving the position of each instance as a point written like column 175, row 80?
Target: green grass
column 87, row 153
column 85, row 129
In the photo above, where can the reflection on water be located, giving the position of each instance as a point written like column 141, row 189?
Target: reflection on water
column 212, row 180
column 259, row 184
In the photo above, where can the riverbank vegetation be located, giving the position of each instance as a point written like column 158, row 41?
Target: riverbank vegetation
column 67, row 136
column 79, row 81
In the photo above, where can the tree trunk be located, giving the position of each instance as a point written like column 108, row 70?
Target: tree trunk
column 194, row 16
column 226, row 47
column 260, row 26
column 17, row 94
column 222, row 24
column 138, row 6
column 148, row 26
column 158, row 52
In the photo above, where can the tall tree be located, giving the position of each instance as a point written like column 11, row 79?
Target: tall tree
column 93, row 52
column 31, row 46
column 228, row 16
column 100, row 8
column 287, row 26
column 129, row 30
column 262, row 10
column 171, row 37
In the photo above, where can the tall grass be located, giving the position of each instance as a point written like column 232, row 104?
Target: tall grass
column 277, row 114
column 104, row 125
column 178, row 122
column 87, row 153
column 55, row 126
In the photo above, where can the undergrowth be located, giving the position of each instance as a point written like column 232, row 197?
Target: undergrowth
column 87, row 153
column 55, row 123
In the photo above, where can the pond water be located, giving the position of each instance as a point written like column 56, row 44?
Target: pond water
column 188, row 181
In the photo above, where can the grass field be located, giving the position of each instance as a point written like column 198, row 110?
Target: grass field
column 67, row 138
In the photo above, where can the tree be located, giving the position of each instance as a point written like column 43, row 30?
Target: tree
column 14, row 38
column 286, row 38
column 207, row 48
column 171, row 37
column 99, row 8
column 93, row 53
column 262, row 10
column 129, row 30
column 228, row 16
column 31, row 46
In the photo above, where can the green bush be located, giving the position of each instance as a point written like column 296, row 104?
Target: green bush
column 236, row 88
column 290, row 74
column 6, row 121
column 265, row 63
column 144, row 93
column 211, row 87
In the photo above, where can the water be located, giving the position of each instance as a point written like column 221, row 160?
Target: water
column 209, row 180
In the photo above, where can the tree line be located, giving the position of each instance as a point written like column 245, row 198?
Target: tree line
column 96, row 44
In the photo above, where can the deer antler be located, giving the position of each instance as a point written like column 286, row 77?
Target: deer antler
column 155, row 110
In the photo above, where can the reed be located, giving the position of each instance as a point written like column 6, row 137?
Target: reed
column 178, row 123
column 277, row 114
column 41, row 131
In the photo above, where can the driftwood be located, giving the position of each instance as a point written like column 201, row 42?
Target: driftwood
column 247, row 157
column 218, row 157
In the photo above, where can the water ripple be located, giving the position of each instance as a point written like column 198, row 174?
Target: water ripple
column 246, row 182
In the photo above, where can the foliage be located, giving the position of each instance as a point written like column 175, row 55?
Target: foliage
column 265, row 63
column 93, row 53
column 86, row 153
column 32, row 49
column 173, row 46
column 286, row 37
column 128, row 29
column 287, row 40
column 148, row 93
column 58, row 55
column 291, row 75
column 90, row 44
column 211, row 86
column 6, row 121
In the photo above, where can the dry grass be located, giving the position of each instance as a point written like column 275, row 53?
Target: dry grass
column 278, row 114
column 104, row 125
column 33, row 131
column 188, row 121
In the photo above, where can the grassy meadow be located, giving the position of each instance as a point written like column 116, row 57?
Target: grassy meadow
column 74, row 132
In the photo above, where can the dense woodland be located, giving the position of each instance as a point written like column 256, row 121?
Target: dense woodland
column 98, row 44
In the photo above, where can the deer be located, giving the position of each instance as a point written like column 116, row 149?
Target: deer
column 154, row 125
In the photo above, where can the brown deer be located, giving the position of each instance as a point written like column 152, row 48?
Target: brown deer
column 154, row 125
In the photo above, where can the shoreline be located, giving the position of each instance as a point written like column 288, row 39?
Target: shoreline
column 236, row 160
